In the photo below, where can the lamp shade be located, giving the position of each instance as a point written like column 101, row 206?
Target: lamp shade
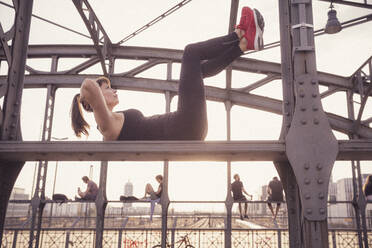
column 333, row 25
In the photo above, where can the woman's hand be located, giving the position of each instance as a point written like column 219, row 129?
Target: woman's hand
column 86, row 105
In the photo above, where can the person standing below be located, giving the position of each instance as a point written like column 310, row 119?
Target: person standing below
column 91, row 191
column 238, row 189
column 367, row 188
column 275, row 192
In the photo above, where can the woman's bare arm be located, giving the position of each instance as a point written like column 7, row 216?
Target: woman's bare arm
column 91, row 94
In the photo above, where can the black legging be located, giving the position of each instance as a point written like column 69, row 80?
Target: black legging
column 189, row 122
column 200, row 60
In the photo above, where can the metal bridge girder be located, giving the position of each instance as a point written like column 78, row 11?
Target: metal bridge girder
column 240, row 98
column 95, row 29
column 13, row 86
column 166, row 150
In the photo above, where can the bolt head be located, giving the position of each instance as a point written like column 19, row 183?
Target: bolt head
column 320, row 181
column 307, row 196
column 309, row 211
column 306, row 166
column 321, row 210
column 321, row 195
column 319, row 166
column 307, row 181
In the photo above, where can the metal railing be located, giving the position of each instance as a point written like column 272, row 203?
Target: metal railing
column 147, row 238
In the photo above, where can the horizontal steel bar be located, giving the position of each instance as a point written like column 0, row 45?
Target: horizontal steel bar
column 142, row 151
column 237, row 97
column 147, row 53
column 350, row 3
column 166, row 150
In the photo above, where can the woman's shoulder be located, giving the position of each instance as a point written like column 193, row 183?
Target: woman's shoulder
column 131, row 112
column 132, row 115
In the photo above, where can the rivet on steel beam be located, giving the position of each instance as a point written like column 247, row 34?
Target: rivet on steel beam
column 16, row 103
column 287, row 113
column 316, row 121
column 307, row 196
column 320, row 181
column 319, row 166
column 288, row 125
column 314, row 95
column 301, row 82
column 287, row 102
column 313, row 81
column 12, row 136
column 13, row 125
column 309, row 211
column 14, row 71
column 321, row 210
column 20, row 30
column 315, row 108
column 306, row 166
column 302, row 94
column 303, row 122
column 321, row 195
column 307, row 181
column 303, row 109
column 14, row 114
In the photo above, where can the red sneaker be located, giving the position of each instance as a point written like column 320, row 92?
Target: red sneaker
column 253, row 25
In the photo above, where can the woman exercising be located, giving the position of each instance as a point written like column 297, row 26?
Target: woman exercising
column 189, row 122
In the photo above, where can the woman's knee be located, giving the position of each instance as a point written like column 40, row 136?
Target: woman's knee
column 190, row 49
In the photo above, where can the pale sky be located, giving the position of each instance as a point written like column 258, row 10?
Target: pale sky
column 341, row 54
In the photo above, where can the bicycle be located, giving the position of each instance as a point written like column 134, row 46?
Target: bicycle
column 184, row 239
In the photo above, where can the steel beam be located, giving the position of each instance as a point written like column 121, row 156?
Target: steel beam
column 237, row 97
column 311, row 146
column 10, row 121
column 95, row 30
column 350, row 3
column 147, row 53
column 284, row 168
column 101, row 203
column 165, row 150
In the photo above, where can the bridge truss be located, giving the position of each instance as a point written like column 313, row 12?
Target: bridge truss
column 304, row 154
